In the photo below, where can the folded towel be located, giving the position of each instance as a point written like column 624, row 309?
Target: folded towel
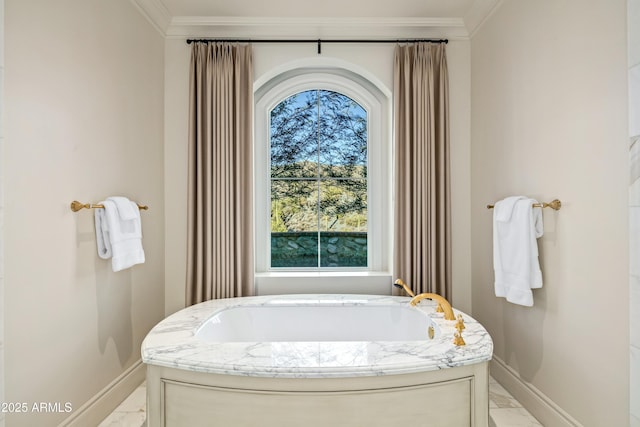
column 516, row 226
column 117, row 237
column 126, row 209
column 102, row 234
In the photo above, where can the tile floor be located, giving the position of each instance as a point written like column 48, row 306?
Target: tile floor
column 504, row 410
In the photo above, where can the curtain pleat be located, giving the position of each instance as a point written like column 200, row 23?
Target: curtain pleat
column 220, row 201
column 422, row 229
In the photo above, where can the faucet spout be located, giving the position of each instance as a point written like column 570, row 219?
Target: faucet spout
column 446, row 307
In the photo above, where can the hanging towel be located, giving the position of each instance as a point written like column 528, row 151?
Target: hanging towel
column 117, row 236
column 516, row 226
column 102, row 234
column 126, row 208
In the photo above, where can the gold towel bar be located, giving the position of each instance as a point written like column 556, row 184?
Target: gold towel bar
column 554, row 204
column 76, row 206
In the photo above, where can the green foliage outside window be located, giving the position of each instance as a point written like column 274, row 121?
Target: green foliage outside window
column 318, row 142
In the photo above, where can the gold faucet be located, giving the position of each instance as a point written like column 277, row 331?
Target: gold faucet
column 442, row 302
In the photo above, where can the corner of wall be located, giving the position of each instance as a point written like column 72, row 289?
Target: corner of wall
column 633, row 16
column 2, row 399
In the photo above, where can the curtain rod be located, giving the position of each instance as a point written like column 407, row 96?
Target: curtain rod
column 319, row 41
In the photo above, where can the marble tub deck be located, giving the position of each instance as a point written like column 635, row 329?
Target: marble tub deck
column 504, row 410
column 173, row 344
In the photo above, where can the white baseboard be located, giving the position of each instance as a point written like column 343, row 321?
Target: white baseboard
column 537, row 403
column 108, row 399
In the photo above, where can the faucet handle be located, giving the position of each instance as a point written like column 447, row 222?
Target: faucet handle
column 460, row 323
column 457, row 340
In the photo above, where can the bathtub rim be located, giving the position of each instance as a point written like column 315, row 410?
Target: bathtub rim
column 177, row 331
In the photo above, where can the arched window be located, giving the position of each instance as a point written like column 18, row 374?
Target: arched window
column 322, row 178
column 318, row 181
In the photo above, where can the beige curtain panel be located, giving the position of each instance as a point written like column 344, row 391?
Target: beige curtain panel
column 220, row 200
column 422, row 210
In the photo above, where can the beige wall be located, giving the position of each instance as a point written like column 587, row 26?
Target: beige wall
column 549, row 119
column 633, row 19
column 376, row 61
column 176, row 132
column 84, row 114
column 2, row 108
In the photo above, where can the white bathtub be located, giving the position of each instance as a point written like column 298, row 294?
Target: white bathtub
column 317, row 321
column 315, row 360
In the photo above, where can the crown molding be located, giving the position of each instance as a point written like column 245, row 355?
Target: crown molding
column 261, row 27
column 156, row 13
column 478, row 14
column 253, row 27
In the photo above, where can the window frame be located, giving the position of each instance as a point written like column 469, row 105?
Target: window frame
column 376, row 104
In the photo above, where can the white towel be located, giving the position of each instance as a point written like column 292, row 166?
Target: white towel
column 516, row 226
column 126, row 208
column 121, row 238
column 102, row 234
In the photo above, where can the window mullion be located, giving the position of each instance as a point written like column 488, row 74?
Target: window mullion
column 318, row 212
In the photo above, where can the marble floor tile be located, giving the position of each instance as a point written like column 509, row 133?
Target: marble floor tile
column 512, row 417
column 504, row 410
column 131, row 412
column 124, row 419
column 500, row 398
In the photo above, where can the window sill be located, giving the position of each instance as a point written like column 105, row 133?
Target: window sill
column 323, row 282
